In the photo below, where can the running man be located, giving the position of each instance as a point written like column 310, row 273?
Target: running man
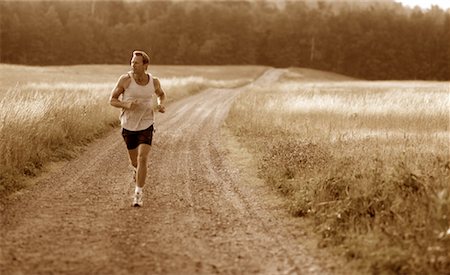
column 137, row 88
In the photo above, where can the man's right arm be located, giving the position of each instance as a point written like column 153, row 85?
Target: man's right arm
column 117, row 91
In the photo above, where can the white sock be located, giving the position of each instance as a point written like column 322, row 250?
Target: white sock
column 138, row 189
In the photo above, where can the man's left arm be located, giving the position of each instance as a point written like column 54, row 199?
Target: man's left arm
column 161, row 95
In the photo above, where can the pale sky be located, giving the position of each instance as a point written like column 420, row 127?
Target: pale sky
column 443, row 4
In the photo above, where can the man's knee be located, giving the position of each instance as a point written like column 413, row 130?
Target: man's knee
column 144, row 151
column 142, row 159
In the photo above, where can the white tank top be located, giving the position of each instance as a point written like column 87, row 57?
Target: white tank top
column 141, row 117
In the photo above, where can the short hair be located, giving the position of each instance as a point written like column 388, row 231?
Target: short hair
column 145, row 57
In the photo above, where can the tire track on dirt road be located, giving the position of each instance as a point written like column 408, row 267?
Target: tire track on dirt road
column 197, row 218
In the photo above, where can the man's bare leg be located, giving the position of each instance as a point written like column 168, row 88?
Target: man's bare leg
column 142, row 161
column 133, row 156
column 139, row 156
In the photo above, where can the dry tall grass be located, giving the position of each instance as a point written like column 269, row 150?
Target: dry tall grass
column 63, row 108
column 44, row 122
column 180, row 87
column 368, row 162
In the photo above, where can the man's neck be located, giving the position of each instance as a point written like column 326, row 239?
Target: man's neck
column 140, row 75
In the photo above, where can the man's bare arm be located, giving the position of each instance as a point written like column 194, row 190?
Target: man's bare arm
column 161, row 95
column 117, row 91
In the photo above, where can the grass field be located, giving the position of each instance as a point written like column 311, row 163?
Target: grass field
column 367, row 162
column 49, row 113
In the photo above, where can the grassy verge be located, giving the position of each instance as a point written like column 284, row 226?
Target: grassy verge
column 42, row 124
column 50, row 114
column 368, row 162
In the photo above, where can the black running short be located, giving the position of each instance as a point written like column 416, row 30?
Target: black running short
column 134, row 138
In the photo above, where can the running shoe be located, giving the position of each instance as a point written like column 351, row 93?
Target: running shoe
column 137, row 199
column 134, row 175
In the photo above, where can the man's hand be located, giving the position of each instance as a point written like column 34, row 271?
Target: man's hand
column 161, row 108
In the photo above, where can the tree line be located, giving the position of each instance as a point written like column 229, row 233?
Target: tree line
column 381, row 40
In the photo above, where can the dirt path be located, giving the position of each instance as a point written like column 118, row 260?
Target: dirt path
column 200, row 215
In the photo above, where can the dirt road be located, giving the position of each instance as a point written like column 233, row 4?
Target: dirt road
column 200, row 216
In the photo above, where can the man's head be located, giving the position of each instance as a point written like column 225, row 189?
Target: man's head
column 139, row 61
column 145, row 57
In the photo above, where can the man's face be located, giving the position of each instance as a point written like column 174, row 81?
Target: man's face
column 137, row 64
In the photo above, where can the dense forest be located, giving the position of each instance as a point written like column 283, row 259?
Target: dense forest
column 380, row 40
